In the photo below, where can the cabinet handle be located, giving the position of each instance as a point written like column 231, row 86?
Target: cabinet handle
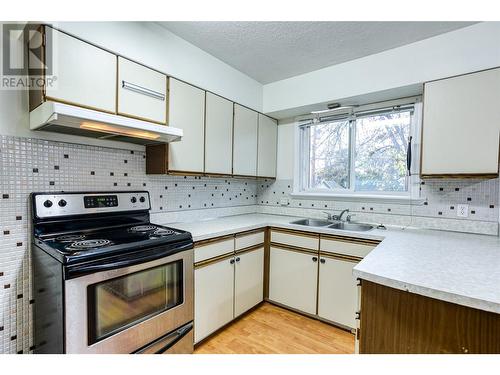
column 408, row 156
column 231, row 261
column 315, row 259
column 238, row 259
column 143, row 90
column 322, row 260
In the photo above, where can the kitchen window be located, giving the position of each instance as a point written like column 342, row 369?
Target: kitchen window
column 365, row 153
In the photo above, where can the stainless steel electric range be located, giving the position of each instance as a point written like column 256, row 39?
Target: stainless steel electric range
column 105, row 279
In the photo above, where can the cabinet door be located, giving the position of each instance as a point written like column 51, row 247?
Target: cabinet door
column 338, row 293
column 248, row 280
column 218, row 135
column 293, row 279
column 86, row 75
column 461, row 125
column 213, row 297
column 266, row 146
column 245, row 141
column 141, row 92
column 187, row 112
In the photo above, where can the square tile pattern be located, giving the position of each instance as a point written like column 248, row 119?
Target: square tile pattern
column 28, row 165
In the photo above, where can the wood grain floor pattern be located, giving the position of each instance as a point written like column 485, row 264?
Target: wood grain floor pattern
column 270, row 329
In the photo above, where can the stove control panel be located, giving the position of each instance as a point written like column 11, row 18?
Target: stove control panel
column 67, row 204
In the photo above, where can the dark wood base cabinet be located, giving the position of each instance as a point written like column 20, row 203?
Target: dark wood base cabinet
column 398, row 322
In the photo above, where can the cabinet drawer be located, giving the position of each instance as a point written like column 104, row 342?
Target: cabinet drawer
column 354, row 249
column 246, row 240
column 307, row 241
column 204, row 251
column 142, row 92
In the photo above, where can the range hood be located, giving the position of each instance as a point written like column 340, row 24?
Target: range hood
column 69, row 119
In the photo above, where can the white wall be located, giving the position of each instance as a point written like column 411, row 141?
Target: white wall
column 153, row 45
column 397, row 72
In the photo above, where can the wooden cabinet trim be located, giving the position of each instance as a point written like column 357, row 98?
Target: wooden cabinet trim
column 213, row 260
column 296, row 232
column 249, row 249
column 251, row 231
column 361, row 241
column 52, row 99
column 338, row 256
column 209, row 241
column 461, row 176
column 294, row 249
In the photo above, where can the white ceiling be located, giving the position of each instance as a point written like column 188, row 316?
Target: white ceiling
column 271, row 51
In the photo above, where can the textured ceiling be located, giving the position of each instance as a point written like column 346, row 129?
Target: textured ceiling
column 270, row 51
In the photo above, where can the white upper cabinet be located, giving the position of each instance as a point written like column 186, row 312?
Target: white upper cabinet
column 187, row 112
column 461, row 125
column 245, row 141
column 267, row 142
column 218, row 135
column 86, row 75
column 142, row 92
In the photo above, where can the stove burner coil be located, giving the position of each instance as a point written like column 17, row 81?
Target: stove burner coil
column 163, row 232
column 70, row 238
column 142, row 228
column 88, row 244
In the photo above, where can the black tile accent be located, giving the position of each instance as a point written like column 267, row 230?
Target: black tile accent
column 161, row 208
column 92, row 173
column 125, row 161
column 325, row 205
column 180, row 206
column 6, row 286
column 440, row 213
column 6, row 232
column 1, row 328
column 371, row 208
column 389, row 210
column 469, row 199
column 128, row 184
column 111, row 173
column 52, row 183
column 161, row 196
column 452, row 207
column 1, row 273
column 426, row 203
column 457, row 189
column 56, row 167
column 175, row 185
column 441, row 189
column 20, row 352
column 19, row 217
column 300, row 204
column 143, row 184
column 35, row 170
column 19, row 244
column 12, row 338
column 19, row 296
column 422, row 183
column 166, row 187
column 32, row 347
column 492, row 206
column 115, row 184
column 5, row 196
column 125, row 174
column 32, row 301
column 473, row 212
column 66, row 156
column 362, row 208
column 132, row 152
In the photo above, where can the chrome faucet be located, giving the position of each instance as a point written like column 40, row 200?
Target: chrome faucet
column 339, row 217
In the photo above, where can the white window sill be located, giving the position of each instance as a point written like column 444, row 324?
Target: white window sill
column 397, row 199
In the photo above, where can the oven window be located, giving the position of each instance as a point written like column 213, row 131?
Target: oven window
column 117, row 304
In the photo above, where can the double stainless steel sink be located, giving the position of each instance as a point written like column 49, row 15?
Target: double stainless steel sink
column 340, row 225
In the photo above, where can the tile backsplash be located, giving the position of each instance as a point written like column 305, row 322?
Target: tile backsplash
column 28, row 165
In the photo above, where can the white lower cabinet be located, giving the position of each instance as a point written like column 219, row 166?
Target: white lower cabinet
column 248, row 280
column 293, row 279
column 213, row 297
column 338, row 293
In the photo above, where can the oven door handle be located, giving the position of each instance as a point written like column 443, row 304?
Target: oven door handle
column 168, row 341
column 178, row 335
column 120, row 262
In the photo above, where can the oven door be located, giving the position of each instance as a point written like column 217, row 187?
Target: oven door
column 124, row 309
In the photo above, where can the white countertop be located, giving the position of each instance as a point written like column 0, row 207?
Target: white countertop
column 454, row 267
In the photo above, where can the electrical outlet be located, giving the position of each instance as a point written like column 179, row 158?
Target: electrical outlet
column 284, row 201
column 462, row 210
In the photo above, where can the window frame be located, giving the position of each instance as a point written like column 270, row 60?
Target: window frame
column 302, row 161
